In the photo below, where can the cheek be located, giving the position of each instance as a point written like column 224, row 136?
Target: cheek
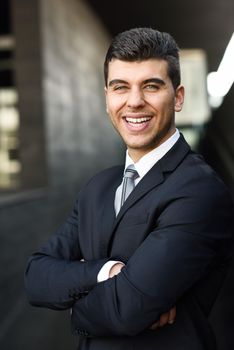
column 115, row 103
column 166, row 108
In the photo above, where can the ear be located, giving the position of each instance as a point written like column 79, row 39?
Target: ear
column 179, row 98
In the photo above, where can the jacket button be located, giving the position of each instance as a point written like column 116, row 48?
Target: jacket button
column 82, row 332
column 72, row 294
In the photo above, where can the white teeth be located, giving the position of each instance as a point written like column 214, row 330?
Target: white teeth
column 137, row 120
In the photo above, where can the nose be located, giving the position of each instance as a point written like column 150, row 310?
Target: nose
column 135, row 98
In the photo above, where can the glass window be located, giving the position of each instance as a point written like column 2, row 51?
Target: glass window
column 9, row 115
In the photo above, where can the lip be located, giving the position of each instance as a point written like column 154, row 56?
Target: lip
column 137, row 115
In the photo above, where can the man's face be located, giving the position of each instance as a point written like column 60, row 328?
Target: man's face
column 141, row 103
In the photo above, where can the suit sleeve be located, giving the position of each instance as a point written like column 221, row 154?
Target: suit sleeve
column 190, row 239
column 55, row 277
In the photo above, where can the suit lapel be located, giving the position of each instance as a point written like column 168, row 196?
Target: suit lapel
column 107, row 210
column 152, row 179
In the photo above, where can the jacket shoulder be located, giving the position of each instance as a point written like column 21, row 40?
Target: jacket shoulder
column 104, row 179
column 107, row 173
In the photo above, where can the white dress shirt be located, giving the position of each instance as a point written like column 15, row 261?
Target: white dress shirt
column 142, row 167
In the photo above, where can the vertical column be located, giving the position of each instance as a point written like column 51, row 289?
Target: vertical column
column 26, row 30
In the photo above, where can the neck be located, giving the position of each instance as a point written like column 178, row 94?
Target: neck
column 136, row 153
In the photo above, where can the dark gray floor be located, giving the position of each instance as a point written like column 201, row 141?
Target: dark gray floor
column 25, row 223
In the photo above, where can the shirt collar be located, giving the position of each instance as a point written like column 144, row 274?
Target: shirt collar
column 151, row 158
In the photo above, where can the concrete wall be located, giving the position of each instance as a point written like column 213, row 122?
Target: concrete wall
column 78, row 133
column 59, row 53
column 27, row 69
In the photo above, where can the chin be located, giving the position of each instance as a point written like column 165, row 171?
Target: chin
column 143, row 145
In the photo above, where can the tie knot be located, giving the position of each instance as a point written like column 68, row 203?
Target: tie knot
column 131, row 172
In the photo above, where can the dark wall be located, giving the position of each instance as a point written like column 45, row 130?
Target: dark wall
column 218, row 142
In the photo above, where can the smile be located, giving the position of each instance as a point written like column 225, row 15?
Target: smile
column 137, row 124
column 137, row 120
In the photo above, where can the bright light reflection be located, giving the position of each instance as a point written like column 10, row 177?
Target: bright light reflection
column 8, row 97
column 9, row 119
column 220, row 82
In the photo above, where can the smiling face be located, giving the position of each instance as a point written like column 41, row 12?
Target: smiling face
column 141, row 103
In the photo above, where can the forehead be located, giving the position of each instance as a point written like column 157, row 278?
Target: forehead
column 138, row 70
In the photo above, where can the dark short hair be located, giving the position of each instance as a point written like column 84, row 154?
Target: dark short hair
column 140, row 44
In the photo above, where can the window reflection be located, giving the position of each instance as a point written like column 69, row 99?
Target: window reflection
column 196, row 111
column 9, row 142
column 10, row 166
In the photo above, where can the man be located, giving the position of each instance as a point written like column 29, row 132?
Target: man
column 129, row 260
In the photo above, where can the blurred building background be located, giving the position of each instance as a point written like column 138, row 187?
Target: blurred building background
column 54, row 132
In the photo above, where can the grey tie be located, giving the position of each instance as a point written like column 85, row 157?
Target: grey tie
column 128, row 183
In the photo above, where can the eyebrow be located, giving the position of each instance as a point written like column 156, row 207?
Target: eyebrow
column 154, row 80
column 147, row 81
column 117, row 81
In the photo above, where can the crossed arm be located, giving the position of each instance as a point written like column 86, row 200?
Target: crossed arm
column 56, row 278
column 188, row 243
column 165, row 318
column 178, row 253
column 162, row 269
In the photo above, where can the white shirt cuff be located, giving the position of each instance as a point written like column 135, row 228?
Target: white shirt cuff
column 103, row 274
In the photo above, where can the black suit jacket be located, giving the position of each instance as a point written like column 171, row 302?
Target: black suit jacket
column 174, row 233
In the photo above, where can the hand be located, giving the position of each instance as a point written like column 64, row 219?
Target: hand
column 165, row 318
column 116, row 269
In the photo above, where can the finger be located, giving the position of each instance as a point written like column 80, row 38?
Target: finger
column 115, row 269
column 172, row 315
column 154, row 326
column 164, row 318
